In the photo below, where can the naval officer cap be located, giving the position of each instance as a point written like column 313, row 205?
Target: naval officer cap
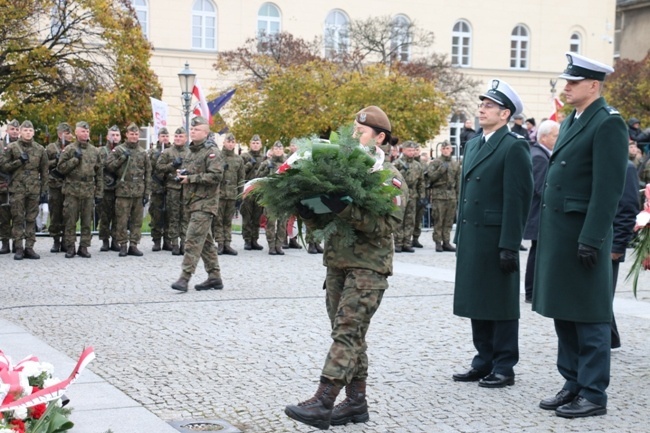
column 504, row 95
column 581, row 67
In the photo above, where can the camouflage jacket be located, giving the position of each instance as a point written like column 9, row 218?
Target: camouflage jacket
column 252, row 161
column 110, row 182
column 31, row 177
column 234, row 175
column 3, row 176
column 205, row 169
column 413, row 173
column 54, row 150
column 164, row 169
column 443, row 175
column 270, row 166
column 157, row 182
column 83, row 177
column 132, row 173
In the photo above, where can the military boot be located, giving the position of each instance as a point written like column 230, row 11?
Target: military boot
column 115, row 246
column 123, row 250
column 398, row 248
column 446, row 246
column 166, row 246
column 69, row 252
column 220, row 249
column 279, row 250
column 5, row 247
column 13, row 247
column 285, row 244
column 134, row 251
column 182, row 248
column 407, row 249
column 416, row 243
column 272, row 250
column 247, row 245
column 319, row 249
column 181, row 284
column 227, row 249
column 354, row 408
column 176, row 250
column 317, row 411
column 438, row 247
column 63, row 247
column 156, row 245
column 256, row 246
column 31, row 254
column 212, row 283
column 293, row 243
column 105, row 245
column 311, row 248
column 83, row 252
column 19, row 252
column 56, row 246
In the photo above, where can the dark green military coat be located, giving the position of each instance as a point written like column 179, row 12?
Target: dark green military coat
column 495, row 195
column 584, row 183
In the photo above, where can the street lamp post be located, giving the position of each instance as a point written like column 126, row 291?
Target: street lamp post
column 186, row 78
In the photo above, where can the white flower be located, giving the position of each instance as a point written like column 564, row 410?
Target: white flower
column 20, row 413
column 51, row 381
column 6, row 430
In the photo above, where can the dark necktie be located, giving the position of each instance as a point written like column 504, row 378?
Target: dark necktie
column 482, row 142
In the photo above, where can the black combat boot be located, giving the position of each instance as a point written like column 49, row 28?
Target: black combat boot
column 115, row 246
column 19, row 254
column 156, row 245
column 5, row 247
column 134, row 251
column 446, row 246
column 63, row 247
column 123, row 250
column 182, row 248
column 416, row 243
column 166, row 246
column 279, row 250
column 256, row 246
column 247, row 245
column 354, row 408
column 293, row 243
column 311, row 248
column 212, row 283
column 407, row 249
column 31, row 254
column 219, row 249
column 181, row 284
column 319, row 249
column 317, row 411
column 69, row 251
column 105, row 246
column 227, row 249
column 398, row 248
column 285, row 244
column 438, row 247
column 56, row 246
column 272, row 250
column 176, row 250
column 83, row 252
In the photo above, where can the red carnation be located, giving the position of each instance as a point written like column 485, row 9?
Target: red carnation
column 37, row 411
column 18, row 425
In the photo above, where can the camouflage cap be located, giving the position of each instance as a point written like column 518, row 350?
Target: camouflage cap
column 410, row 144
column 199, row 120
column 374, row 117
column 256, row 138
column 230, row 137
column 180, row 130
column 445, row 143
column 27, row 124
column 63, row 127
column 278, row 144
column 114, row 128
column 133, row 128
column 163, row 131
column 83, row 125
column 15, row 123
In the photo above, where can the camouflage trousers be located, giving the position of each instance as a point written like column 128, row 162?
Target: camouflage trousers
column 77, row 208
column 222, row 224
column 5, row 217
column 55, row 203
column 250, row 215
column 24, row 209
column 443, row 214
column 419, row 214
column 128, row 211
column 352, row 298
column 276, row 232
column 200, row 244
column 157, row 223
column 404, row 232
column 176, row 216
column 107, row 220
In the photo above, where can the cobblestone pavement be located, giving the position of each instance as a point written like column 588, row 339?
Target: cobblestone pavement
column 243, row 353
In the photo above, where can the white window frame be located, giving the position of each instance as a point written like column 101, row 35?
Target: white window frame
column 142, row 12
column 461, row 40
column 520, row 47
column 335, row 35
column 399, row 37
column 268, row 20
column 204, row 15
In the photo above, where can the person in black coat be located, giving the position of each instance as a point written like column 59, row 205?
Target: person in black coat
column 642, row 138
column 466, row 134
column 519, row 128
column 540, row 153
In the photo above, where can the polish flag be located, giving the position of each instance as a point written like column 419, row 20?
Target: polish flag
column 201, row 108
column 557, row 106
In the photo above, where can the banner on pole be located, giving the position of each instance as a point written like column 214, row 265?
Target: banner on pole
column 159, row 110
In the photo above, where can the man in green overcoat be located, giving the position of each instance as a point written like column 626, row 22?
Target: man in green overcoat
column 495, row 194
column 573, row 281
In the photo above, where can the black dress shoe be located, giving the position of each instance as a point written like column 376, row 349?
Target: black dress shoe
column 496, row 380
column 580, row 407
column 561, row 398
column 471, row 375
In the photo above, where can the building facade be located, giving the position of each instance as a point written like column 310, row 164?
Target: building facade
column 632, row 29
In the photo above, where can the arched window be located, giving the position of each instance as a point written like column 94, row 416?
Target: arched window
column 204, row 25
column 461, row 44
column 336, row 33
column 142, row 12
column 400, row 38
column 575, row 44
column 268, row 20
column 519, row 48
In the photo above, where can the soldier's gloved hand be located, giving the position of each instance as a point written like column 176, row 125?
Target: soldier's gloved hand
column 145, row 200
column 126, row 153
column 587, row 255
column 304, row 211
column 77, row 153
column 43, row 198
column 334, row 202
column 238, row 204
column 253, row 160
column 508, row 261
column 98, row 201
column 177, row 162
column 24, row 158
column 225, row 166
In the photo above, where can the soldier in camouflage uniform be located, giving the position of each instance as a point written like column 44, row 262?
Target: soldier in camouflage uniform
column 251, row 211
column 355, row 283
column 13, row 131
column 157, row 207
column 276, row 228
column 413, row 172
column 232, row 185
column 81, row 165
column 443, row 175
column 132, row 168
column 293, row 242
column 55, row 184
column 171, row 160
column 423, row 205
column 26, row 161
column 204, row 170
column 107, row 218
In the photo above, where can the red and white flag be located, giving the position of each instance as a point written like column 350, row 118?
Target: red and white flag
column 201, row 108
column 557, row 106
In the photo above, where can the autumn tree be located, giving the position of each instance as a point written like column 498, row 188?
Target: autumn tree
column 628, row 89
column 74, row 60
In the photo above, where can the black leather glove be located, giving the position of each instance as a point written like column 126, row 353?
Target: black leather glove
column 145, row 200
column 304, row 211
column 238, row 204
column 43, row 198
column 57, row 156
column 334, row 202
column 587, row 255
column 24, row 158
column 178, row 161
column 98, row 201
column 225, row 167
column 126, row 153
column 508, row 261
column 77, row 153
column 253, row 160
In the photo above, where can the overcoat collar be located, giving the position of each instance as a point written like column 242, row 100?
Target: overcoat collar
column 478, row 155
column 572, row 126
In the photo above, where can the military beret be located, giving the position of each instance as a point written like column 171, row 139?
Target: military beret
column 133, row 128
column 63, row 127
column 14, row 123
column 162, row 131
column 199, row 120
column 581, row 67
column 374, row 117
column 230, row 137
column 504, row 95
column 27, row 124
column 83, row 125
column 256, row 138
column 411, row 144
column 114, row 128
column 278, row 144
column 180, row 130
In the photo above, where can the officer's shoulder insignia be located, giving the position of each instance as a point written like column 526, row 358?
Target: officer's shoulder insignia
column 611, row 110
column 514, row 134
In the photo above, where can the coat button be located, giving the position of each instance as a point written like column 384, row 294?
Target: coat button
column 478, row 178
column 546, row 185
column 464, row 221
column 552, row 162
column 544, row 206
column 467, row 180
column 563, row 163
column 464, row 200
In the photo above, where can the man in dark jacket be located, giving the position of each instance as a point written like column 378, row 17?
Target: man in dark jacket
column 466, row 134
column 642, row 138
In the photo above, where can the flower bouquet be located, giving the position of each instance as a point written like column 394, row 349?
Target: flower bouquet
column 339, row 167
column 31, row 398
column 642, row 247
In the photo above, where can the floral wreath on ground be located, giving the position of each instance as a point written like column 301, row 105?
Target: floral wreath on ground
column 32, row 400
column 642, row 242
